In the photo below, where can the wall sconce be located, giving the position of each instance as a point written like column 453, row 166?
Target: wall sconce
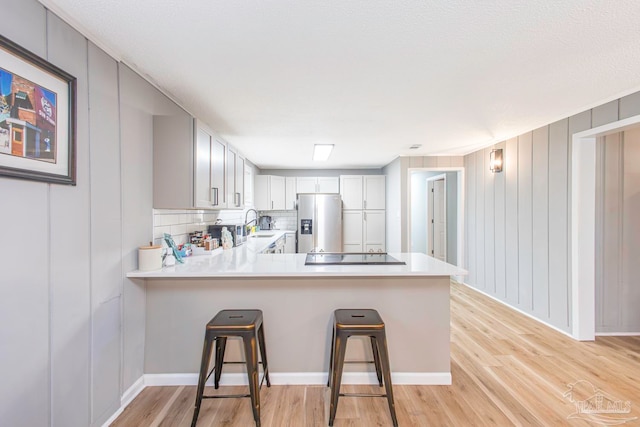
column 495, row 160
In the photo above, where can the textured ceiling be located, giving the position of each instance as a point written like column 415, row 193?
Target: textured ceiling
column 372, row 77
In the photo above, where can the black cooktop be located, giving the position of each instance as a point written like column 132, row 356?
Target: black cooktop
column 326, row 258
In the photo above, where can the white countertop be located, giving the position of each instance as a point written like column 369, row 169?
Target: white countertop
column 247, row 261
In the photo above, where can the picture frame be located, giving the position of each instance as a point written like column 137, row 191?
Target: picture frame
column 37, row 117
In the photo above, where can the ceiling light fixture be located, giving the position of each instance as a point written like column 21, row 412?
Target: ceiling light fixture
column 321, row 152
column 415, row 146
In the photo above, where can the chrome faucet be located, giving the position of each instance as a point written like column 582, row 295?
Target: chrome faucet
column 255, row 220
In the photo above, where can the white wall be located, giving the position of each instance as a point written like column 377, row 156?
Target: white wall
column 518, row 222
column 72, row 325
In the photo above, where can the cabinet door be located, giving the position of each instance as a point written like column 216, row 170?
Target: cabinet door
column 232, row 158
column 239, row 182
column 374, row 230
column 290, row 192
column 290, row 243
column 203, row 189
column 351, row 191
column 352, row 231
column 306, row 184
column 374, row 192
column 277, row 190
column 218, row 173
column 261, row 196
column 330, row 184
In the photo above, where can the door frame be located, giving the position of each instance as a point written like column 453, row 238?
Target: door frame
column 583, row 225
column 430, row 212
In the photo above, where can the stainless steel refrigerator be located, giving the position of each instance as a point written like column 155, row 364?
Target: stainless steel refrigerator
column 319, row 223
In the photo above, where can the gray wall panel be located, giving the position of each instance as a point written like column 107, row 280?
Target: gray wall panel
column 558, row 224
column 70, row 232
column 479, row 177
column 540, row 222
column 489, row 225
column 605, row 113
column 472, row 219
column 629, row 106
column 525, row 230
column 499, row 221
column 106, row 232
column 511, row 219
column 24, row 284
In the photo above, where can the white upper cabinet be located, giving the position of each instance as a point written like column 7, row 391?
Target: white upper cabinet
column 290, row 196
column 210, row 170
column 326, row 184
column 374, row 191
column 306, row 184
column 193, row 168
column 235, row 180
column 351, row 191
column 362, row 191
column 269, row 193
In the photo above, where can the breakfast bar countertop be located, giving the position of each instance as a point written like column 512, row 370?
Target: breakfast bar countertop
column 248, row 261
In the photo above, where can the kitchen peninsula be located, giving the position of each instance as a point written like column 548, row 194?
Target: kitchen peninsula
column 298, row 301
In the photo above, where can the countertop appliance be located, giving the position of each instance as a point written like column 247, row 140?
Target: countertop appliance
column 238, row 232
column 352, row 259
column 319, row 222
column 265, row 223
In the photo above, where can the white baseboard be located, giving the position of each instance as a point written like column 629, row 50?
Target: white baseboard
column 530, row 316
column 126, row 399
column 304, row 378
column 282, row 378
column 617, row 334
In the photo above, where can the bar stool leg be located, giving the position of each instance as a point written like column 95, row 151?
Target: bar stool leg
column 336, row 377
column 333, row 337
column 251, row 355
column 376, row 359
column 263, row 354
column 204, row 367
column 221, row 345
column 384, row 358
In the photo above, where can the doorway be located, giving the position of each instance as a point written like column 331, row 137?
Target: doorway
column 418, row 215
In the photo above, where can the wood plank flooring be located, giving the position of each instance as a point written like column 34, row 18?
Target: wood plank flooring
column 507, row 370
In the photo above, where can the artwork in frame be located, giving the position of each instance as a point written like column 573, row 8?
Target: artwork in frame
column 37, row 117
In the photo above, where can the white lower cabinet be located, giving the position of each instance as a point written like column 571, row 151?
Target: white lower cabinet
column 290, row 243
column 363, row 231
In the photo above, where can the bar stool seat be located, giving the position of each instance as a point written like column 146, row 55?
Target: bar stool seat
column 248, row 325
column 359, row 322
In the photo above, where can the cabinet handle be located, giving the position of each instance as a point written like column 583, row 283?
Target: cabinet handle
column 237, row 197
column 214, row 196
column 365, row 215
column 364, row 202
column 272, row 205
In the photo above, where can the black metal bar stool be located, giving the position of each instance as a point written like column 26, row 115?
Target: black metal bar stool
column 361, row 322
column 246, row 324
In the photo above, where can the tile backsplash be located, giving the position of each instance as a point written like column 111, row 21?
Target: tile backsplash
column 179, row 223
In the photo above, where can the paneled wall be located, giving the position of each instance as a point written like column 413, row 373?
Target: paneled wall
column 618, row 230
column 73, row 325
column 518, row 222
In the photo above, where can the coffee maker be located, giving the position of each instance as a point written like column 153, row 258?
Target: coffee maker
column 265, row 223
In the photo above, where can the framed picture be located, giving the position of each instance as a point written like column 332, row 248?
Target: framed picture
column 37, row 117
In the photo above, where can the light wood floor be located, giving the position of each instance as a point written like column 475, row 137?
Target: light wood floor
column 507, row 370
